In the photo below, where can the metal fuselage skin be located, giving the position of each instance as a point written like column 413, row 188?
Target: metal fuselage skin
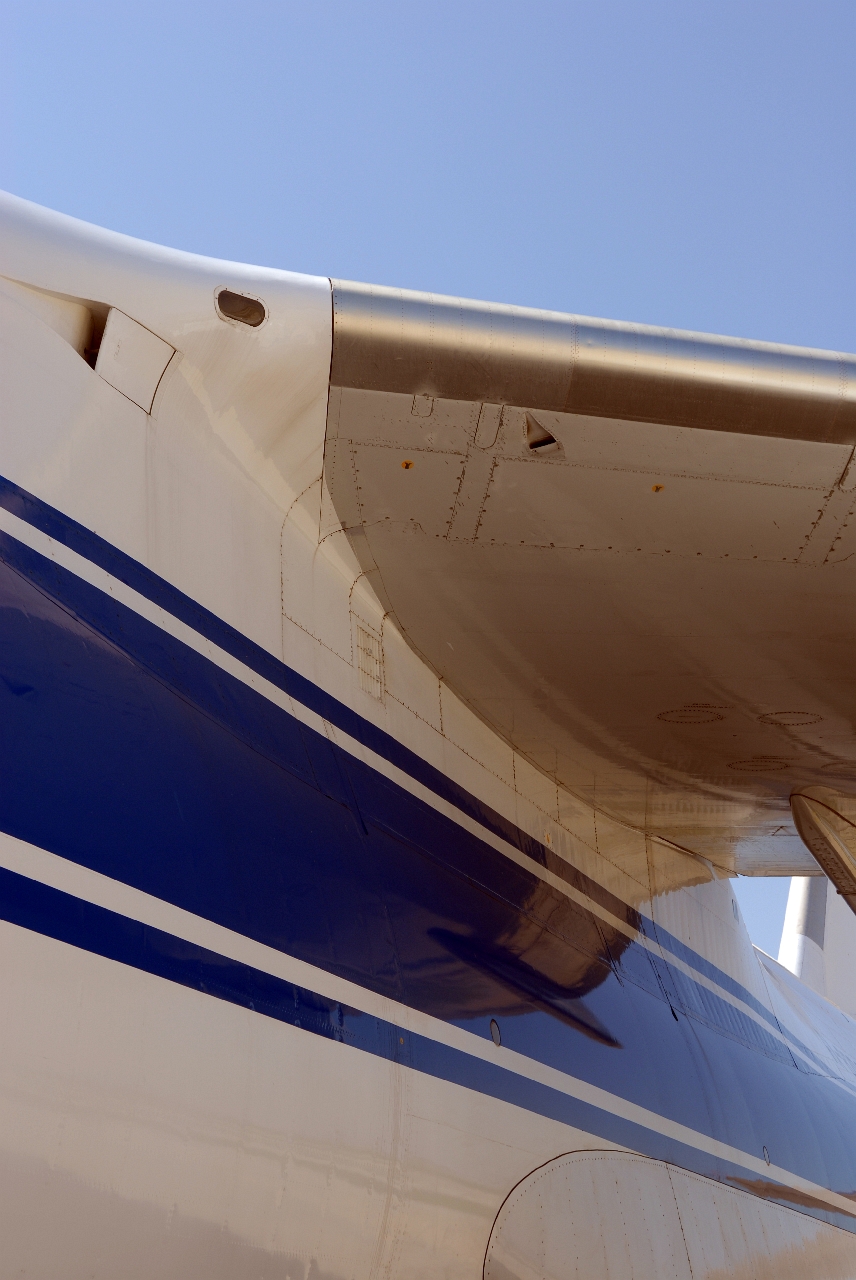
column 307, row 971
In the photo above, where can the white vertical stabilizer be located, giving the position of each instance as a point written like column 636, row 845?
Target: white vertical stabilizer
column 819, row 940
column 803, row 935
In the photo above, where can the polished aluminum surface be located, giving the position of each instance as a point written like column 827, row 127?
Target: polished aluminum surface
column 419, row 343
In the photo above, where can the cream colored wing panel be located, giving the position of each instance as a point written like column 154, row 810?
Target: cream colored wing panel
column 550, row 506
column 647, row 610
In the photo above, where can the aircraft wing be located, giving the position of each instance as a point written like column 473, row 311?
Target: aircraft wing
column 632, row 551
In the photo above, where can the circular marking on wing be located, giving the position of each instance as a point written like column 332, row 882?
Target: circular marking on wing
column 407, row 464
column 760, row 764
column 790, row 719
column 696, row 713
column 657, row 488
column 841, row 768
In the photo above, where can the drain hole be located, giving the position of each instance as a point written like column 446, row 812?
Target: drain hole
column 235, row 306
column 538, row 438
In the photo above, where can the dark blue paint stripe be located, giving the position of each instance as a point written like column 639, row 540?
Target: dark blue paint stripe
column 724, row 980
column 126, row 751
column 142, row 580
column 51, row 912
column 283, row 740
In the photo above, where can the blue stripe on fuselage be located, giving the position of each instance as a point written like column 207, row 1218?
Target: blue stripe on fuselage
column 154, row 588
column 124, row 750
column 92, row 928
column 317, row 772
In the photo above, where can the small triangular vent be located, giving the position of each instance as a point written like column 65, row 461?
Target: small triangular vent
column 538, row 438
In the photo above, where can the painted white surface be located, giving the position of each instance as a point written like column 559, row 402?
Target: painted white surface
column 839, row 952
column 71, row 320
column 132, row 359
column 619, row 1216
column 162, row 1132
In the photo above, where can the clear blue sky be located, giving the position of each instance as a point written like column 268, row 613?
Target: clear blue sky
column 689, row 164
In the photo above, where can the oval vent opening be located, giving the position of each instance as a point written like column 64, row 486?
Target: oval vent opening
column 235, row 306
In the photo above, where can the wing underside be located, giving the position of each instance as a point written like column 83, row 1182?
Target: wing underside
column 631, row 551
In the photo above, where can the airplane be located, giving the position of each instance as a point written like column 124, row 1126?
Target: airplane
column 391, row 688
